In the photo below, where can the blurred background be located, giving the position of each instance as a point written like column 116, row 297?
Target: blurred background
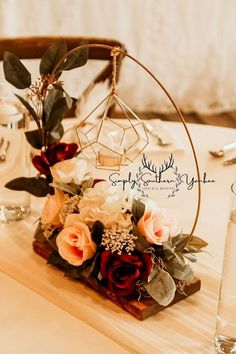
column 189, row 45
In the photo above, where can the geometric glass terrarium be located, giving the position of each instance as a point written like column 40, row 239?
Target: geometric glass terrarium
column 112, row 143
column 108, row 143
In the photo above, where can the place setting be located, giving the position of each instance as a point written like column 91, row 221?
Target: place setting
column 228, row 151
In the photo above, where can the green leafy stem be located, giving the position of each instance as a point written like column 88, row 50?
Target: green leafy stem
column 170, row 269
column 47, row 102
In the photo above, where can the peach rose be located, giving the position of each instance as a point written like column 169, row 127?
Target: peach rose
column 74, row 242
column 157, row 224
column 52, row 208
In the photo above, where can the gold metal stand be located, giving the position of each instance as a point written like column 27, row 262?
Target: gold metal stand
column 115, row 51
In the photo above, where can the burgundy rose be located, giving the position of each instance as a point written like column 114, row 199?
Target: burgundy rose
column 54, row 153
column 123, row 271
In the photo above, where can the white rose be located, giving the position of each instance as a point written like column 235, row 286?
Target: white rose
column 70, row 170
column 102, row 203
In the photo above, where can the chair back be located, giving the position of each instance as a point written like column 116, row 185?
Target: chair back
column 34, row 48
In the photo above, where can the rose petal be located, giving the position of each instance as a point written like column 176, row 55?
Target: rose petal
column 71, row 150
column 59, row 151
column 105, row 260
column 124, row 257
column 147, row 265
column 40, row 165
column 121, row 292
column 44, row 157
column 75, row 244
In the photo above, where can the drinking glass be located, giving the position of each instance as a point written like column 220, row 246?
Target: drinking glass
column 14, row 157
column 225, row 337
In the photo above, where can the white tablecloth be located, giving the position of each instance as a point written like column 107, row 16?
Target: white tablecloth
column 187, row 327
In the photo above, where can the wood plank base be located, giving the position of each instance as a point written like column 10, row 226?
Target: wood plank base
column 141, row 309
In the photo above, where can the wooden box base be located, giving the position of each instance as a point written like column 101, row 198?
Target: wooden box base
column 141, row 309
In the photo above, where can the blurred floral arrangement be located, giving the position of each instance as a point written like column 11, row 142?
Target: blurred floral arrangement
column 127, row 244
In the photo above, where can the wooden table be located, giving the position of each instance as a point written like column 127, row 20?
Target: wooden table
column 185, row 328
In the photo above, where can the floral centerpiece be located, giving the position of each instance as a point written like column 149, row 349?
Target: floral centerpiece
column 124, row 246
column 130, row 246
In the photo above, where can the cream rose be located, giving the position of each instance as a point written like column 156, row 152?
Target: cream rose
column 102, row 203
column 157, row 224
column 74, row 241
column 52, row 208
column 70, row 170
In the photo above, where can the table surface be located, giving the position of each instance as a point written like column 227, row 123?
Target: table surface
column 45, row 312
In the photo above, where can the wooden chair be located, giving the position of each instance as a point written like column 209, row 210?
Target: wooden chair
column 34, row 47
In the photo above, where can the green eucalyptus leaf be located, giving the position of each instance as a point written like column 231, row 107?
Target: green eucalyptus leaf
column 56, row 134
column 87, row 272
column 168, row 255
column 58, row 261
column 152, row 274
column 76, row 59
column 88, row 183
column 162, row 288
column 195, row 245
column 191, row 257
column 137, row 209
column 51, row 100
column 179, row 257
column 180, row 241
column 141, row 242
column 34, row 138
column 167, row 245
column 36, row 186
column 97, row 231
column 73, row 273
column 29, row 108
column 57, row 113
column 70, row 188
column 176, row 239
column 179, row 271
column 15, row 72
column 55, row 259
column 76, row 272
column 69, row 100
column 52, row 56
column 52, row 239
